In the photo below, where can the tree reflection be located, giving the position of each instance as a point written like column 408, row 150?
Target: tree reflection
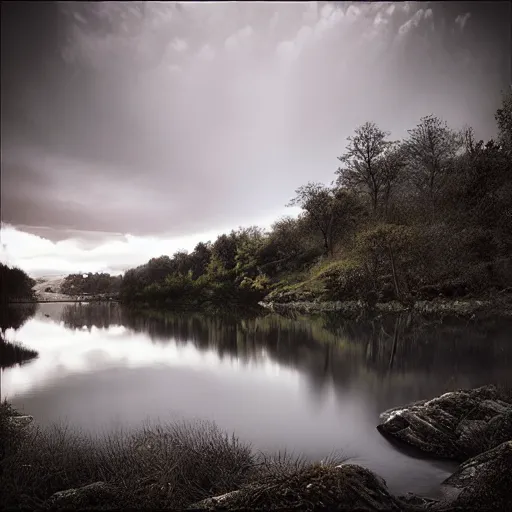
column 13, row 316
column 404, row 355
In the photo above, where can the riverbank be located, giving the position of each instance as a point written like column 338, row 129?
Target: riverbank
column 196, row 466
column 68, row 299
column 471, row 308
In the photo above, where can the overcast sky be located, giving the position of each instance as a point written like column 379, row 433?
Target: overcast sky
column 131, row 130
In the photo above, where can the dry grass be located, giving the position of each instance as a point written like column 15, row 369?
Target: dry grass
column 157, row 467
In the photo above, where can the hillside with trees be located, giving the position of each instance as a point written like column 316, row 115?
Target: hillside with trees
column 404, row 220
column 97, row 284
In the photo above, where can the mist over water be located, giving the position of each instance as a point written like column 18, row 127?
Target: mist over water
column 310, row 386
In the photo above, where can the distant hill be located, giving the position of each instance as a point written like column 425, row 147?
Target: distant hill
column 49, row 288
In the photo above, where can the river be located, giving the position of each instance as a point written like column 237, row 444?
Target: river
column 307, row 385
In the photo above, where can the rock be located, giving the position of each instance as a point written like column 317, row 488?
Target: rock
column 95, row 494
column 482, row 483
column 456, row 425
column 21, row 420
column 217, row 502
column 413, row 502
column 341, row 488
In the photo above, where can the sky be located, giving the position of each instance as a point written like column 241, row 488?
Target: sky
column 132, row 130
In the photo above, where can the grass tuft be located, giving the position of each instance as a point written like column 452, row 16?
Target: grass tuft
column 158, row 466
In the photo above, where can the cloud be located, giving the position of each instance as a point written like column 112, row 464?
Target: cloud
column 180, row 45
column 164, row 119
column 462, row 19
column 238, row 38
column 206, row 53
column 414, row 21
column 79, row 251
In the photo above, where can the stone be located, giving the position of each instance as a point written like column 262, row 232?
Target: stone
column 341, row 488
column 21, row 420
column 483, row 482
column 95, row 494
column 457, row 425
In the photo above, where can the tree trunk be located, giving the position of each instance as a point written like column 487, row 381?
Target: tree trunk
column 393, row 270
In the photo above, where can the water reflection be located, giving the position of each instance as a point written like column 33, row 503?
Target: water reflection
column 305, row 384
column 12, row 317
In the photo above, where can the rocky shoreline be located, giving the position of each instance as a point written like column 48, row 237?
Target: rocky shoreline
column 471, row 426
column 439, row 307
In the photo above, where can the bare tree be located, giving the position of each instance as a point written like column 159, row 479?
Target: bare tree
column 360, row 170
column 504, row 120
column 392, row 164
column 430, row 150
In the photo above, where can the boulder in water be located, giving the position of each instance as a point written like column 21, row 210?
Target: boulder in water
column 457, row 425
column 482, row 483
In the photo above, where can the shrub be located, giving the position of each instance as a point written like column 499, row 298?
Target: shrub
column 345, row 281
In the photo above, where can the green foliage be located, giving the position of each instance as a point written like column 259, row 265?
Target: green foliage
column 331, row 211
column 345, row 280
column 427, row 216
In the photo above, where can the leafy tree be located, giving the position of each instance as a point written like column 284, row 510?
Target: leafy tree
column 224, row 250
column 199, row 259
column 91, row 284
column 331, row 211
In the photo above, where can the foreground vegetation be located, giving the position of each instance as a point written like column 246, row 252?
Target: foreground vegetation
column 197, row 466
column 404, row 220
column 157, row 467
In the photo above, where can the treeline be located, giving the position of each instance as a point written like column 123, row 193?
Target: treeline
column 420, row 217
column 15, row 284
column 91, row 284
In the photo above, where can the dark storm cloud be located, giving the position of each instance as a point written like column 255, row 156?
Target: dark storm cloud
column 149, row 118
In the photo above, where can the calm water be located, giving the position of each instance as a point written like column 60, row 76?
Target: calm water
column 307, row 385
